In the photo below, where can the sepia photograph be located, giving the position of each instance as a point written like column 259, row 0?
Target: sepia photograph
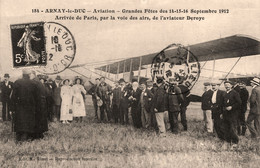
column 139, row 83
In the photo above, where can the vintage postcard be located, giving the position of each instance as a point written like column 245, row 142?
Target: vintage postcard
column 189, row 45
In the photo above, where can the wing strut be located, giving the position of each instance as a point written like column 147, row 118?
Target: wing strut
column 230, row 70
column 131, row 64
column 117, row 72
column 212, row 77
column 139, row 71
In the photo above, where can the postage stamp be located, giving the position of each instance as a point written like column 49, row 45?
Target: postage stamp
column 47, row 46
column 176, row 65
column 28, row 44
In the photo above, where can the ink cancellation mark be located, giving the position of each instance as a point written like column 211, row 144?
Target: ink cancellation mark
column 176, row 65
column 60, row 48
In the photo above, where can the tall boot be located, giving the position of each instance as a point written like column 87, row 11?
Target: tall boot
column 243, row 130
column 238, row 130
column 185, row 127
column 24, row 136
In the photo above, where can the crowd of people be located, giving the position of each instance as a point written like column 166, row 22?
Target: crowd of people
column 36, row 100
column 151, row 104
column 148, row 103
column 224, row 111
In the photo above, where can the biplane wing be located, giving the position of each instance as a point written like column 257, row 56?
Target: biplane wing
column 228, row 47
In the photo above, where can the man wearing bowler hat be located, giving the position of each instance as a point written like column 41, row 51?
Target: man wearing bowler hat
column 104, row 91
column 241, row 117
column 146, row 98
column 56, row 86
column 217, row 108
column 175, row 98
column 185, row 103
column 254, row 113
column 151, row 88
column 125, row 93
column 6, row 87
column 231, row 107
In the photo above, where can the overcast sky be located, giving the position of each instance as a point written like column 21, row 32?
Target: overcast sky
column 106, row 40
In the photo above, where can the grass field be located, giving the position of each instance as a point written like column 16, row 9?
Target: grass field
column 92, row 144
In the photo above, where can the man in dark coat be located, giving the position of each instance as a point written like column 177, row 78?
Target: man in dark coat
column 150, row 86
column 186, row 101
column 116, row 102
column 6, row 87
column 254, row 113
column 135, row 105
column 125, row 93
column 217, row 101
column 206, row 107
column 24, row 105
column 41, row 115
column 56, row 86
column 146, row 105
column 104, row 91
column 161, row 106
column 153, row 118
column 175, row 100
column 48, row 86
column 231, row 105
column 93, row 92
column 241, row 116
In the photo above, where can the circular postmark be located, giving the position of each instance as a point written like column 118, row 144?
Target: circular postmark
column 60, row 48
column 176, row 64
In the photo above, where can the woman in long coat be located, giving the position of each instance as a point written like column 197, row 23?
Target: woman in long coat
column 78, row 106
column 66, row 103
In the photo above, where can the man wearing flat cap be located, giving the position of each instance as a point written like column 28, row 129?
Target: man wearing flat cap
column 6, row 87
column 231, row 107
column 206, row 107
column 161, row 106
column 254, row 113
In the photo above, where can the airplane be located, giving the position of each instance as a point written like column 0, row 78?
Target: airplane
column 236, row 46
